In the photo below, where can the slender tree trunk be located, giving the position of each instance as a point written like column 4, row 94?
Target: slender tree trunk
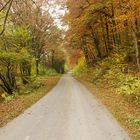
column 116, row 35
column 85, row 51
column 135, row 40
column 104, row 35
column 107, row 33
column 52, row 59
column 96, row 42
column 37, row 67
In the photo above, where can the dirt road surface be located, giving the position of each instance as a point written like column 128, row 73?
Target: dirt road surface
column 68, row 112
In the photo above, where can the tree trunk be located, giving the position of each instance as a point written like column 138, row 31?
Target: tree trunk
column 37, row 67
column 104, row 35
column 135, row 40
column 107, row 33
column 96, row 42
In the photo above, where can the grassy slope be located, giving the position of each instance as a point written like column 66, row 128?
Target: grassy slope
column 16, row 106
column 125, row 110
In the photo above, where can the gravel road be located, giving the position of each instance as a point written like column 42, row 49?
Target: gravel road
column 68, row 112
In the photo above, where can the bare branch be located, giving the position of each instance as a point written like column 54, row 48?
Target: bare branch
column 5, row 5
column 6, row 17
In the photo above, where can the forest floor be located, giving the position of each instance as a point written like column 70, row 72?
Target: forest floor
column 13, row 108
column 124, row 109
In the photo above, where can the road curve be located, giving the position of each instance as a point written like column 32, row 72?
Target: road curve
column 68, row 112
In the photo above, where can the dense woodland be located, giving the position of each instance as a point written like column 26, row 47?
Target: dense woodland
column 100, row 36
column 98, row 39
column 100, row 26
column 29, row 42
column 106, row 36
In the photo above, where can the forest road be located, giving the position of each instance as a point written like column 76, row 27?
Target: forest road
column 68, row 112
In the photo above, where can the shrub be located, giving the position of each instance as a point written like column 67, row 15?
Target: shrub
column 80, row 67
column 51, row 72
column 130, row 86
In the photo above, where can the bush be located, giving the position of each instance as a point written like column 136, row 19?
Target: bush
column 4, row 97
column 33, row 85
column 130, row 86
column 81, row 67
column 51, row 72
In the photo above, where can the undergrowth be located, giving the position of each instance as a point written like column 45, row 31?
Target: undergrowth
column 33, row 84
column 113, row 71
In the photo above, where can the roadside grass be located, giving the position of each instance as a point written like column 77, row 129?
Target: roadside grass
column 14, row 106
column 124, row 109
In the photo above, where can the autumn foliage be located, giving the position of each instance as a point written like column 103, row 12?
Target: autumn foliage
column 99, row 27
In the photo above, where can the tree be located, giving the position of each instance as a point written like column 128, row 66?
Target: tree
column 9, row 62
column 6, row 10
column 98, row 27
